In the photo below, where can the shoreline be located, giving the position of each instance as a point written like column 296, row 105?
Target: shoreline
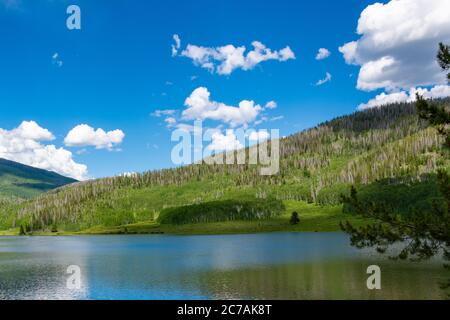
column 315, row 221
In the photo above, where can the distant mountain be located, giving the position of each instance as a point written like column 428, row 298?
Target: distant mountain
column 23, row 181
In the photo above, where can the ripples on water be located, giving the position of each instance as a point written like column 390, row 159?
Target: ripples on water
column 260, row 266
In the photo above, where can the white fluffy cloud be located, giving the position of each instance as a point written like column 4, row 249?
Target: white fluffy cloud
column 24, row 145
column 324, row 80
column 439, row 91
column 83, row 135
column 323, row 53
column 398, row 43
column 30, row 130
column 225, row 59
column 200, row 107
column 227, row 142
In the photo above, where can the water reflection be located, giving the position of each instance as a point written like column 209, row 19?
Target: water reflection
column 266, row 266
column 327, row 280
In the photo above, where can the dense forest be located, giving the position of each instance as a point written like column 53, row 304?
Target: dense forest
column 388, row 143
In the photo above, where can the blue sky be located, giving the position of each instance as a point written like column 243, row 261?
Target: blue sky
column 118, row 69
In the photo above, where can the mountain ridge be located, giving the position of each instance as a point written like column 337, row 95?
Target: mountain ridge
column 23, row 181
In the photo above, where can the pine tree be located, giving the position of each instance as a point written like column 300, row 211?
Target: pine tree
column 21, row 231
column 423, row 234
column 443, row 58
column 294, row 218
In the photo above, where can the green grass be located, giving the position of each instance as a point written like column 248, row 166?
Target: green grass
column 23, row 181
column 313, row 218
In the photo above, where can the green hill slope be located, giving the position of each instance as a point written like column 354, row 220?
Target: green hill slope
column 316, row 167
column 21, row 181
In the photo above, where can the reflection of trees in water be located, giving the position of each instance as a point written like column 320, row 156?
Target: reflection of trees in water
column 326, row 280
column 340, row 279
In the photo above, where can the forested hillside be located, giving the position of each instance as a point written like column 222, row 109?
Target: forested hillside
column 317, row 165
column 21, row 181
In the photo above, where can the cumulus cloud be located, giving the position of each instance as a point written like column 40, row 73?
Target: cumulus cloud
column 398, row 43
column 83, row 135
column 200, row 107
column 227, row 142
column 439, row 91
column 323, row 53
column 32, row 131
column 225, row 59
column 24, row 144
column 348, row 50
column 324, row 80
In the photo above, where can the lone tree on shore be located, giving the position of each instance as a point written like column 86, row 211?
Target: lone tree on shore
column 422, row 233
column 294, row 218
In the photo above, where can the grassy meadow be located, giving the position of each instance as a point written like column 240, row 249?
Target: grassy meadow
column 313, row 218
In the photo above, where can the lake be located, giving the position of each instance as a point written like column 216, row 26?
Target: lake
column 251, row 266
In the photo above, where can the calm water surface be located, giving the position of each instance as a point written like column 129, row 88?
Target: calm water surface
column 259, row 266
